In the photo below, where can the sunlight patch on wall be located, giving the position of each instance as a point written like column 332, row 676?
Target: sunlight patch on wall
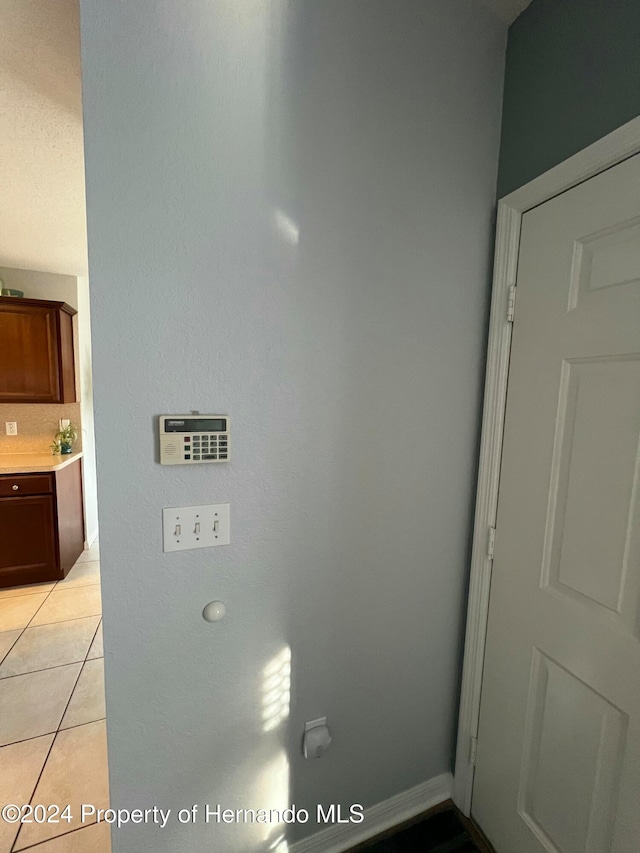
column 286, row 227
column 276, row 690
column 272, row 792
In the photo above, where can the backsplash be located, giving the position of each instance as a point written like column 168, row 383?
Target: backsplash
column 37, row 425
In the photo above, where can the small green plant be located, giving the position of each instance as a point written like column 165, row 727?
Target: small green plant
column 63, row 440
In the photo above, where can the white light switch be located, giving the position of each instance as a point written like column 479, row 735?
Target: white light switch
column 11, row 427
column 186, row 527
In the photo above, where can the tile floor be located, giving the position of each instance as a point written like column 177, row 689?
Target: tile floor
column 52, row 726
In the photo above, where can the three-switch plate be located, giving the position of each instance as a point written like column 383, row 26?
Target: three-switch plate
column 186, row 527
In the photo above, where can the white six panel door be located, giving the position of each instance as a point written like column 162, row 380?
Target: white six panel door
column 558, row 762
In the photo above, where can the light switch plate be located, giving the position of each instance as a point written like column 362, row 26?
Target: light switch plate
column 187, row 527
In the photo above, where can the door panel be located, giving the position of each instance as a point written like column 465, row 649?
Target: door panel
column 572, row 750
column 558, row 762
column 608, row 258
column 591, row 535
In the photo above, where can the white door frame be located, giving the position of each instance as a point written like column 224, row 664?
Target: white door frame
column 606, row 152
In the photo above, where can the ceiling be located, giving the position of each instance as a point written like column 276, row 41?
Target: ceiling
column 508, row 10
column 42, row 213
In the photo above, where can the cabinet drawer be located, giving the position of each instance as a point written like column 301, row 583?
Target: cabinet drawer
column 26, row 484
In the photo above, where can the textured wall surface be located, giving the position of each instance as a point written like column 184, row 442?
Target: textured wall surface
column 572, row 76
column 42, row 215
column 290, row 220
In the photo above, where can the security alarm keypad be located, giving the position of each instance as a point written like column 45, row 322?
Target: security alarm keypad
column 188, row 439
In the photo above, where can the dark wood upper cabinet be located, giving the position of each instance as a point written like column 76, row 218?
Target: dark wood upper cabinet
column 36, row 359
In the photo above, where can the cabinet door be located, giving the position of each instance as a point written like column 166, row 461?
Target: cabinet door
column 28, row 551
column 29, row 370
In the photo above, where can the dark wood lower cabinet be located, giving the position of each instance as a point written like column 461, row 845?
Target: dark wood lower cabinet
column 41, row 525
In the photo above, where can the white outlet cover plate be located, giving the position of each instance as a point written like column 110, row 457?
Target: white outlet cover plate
column 188, row 527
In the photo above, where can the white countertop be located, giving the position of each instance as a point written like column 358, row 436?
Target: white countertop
column 35, row 463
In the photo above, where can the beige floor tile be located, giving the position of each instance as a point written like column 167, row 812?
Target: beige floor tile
column 97, row 647
column 7, row 639
column 91, row 554
column 87, row 700
column 82, row 574
column 17, row 612
column 50, row 645
column 73, row 603
column 20, row 766
column 31, row 589
column 91, row 839
column 33, row 704
column 75, row 773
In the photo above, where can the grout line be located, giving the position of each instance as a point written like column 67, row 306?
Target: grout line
column 55, row 837
column 55, row 737
column 43, row 669
column 46, row 624
column 44, row 764
column 25, row 739
column 38, row 610
column 79, row 725
column 66, row 707
column 54, row 731
column 30, row 591
column 22, row 630
column 82, row 668
column 37, row 782
column 86, row 657
column 75, row 685
column 11, row 647
column 59, row 621
column 53, row 588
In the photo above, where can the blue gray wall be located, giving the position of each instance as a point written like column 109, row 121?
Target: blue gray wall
column 290, row 212
column 572, row 76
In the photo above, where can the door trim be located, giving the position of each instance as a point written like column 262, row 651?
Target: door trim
column 606, row 152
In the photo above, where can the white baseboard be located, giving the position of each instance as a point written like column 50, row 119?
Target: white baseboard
column 379, row 818
column 90, row 539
